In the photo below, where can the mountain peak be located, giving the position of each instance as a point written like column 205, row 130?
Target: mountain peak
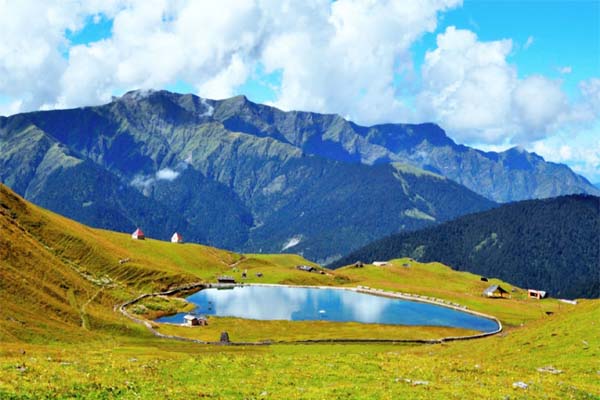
column 239, row 98
column 137, row 94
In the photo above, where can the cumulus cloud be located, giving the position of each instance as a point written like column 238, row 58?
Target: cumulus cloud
column 349, row 56
column 537, row 103
column 333, row 56
column 471, row 89
column 32, row 39
column 467, row 85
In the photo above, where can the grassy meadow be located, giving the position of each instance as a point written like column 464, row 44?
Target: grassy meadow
column 60, row 336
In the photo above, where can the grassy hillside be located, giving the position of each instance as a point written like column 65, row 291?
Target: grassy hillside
column 549, row 244
column 57, row 274
column 61, row 338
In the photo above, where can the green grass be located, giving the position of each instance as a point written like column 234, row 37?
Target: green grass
column 151, row 368
column 157, row 306
column 439, row 281
column 244, row 330
column 61, row 338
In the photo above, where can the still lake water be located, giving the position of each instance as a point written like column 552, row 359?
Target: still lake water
column 309, row 304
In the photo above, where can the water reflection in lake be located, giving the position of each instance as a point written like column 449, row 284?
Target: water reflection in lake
column 301, row 304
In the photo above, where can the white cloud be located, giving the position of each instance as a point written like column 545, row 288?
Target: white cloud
column 528, row 42
column 590, row 91
column 473, row 92
column 537, row 106
column 167, row 174
column 211, row 46
column 567, row 69
column 333, row 57
column 224, row 83
column 32, row 39
column 345, row 61
column 468, row 85
column 291, row 242
column 11, row 107
column 145, row 182
column 581, row 153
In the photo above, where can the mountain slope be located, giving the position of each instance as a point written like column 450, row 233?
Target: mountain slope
column 551, row 244
column 169, row 162
column 506, row 176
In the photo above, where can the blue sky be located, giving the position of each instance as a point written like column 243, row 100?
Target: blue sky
column 497, row 74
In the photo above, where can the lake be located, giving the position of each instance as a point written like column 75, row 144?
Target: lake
column 310, row 304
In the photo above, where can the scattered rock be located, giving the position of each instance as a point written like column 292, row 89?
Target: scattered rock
column 550, row 370
column 520, row 385
column 21, row 368
column 133, row 359
column 414, row 383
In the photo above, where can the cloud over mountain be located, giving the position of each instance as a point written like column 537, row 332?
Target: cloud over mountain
column 351, row 57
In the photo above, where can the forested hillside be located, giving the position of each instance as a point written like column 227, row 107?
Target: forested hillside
column 551, row 244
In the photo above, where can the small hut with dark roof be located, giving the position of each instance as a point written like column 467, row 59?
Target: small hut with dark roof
column 495, row 291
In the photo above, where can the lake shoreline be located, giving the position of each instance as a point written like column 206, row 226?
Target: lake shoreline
column 196, row 287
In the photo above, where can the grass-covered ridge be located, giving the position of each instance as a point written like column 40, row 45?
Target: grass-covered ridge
column 60, row 336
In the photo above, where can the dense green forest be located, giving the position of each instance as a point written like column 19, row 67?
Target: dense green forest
column 551, row 244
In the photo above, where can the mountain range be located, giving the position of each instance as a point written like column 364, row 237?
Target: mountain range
column 549, row 244
column 250, row 177
column 512, row 175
